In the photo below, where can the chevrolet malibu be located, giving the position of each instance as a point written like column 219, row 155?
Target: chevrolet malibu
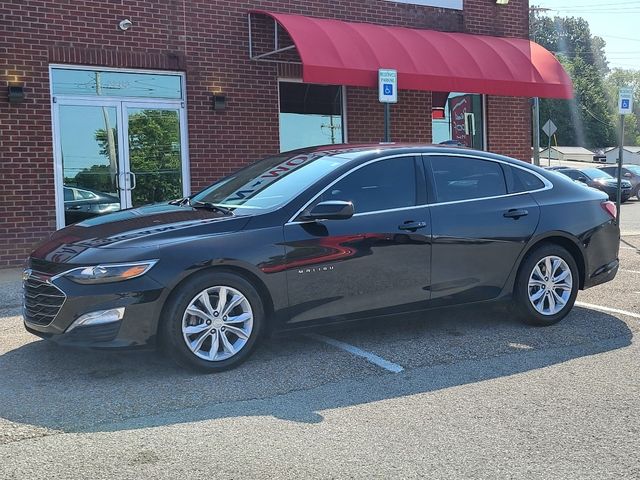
column 322, row 235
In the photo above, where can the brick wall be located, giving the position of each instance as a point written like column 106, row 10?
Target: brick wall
column 208, row 40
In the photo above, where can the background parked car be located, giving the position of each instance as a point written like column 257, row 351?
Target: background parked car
column 630, row 173
column 597, row 178
column 83, row 203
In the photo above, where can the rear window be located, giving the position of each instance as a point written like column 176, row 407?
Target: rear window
column 461, row 178
column 519, row 180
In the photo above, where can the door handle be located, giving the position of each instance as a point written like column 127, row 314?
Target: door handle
column 516, row 213
column 132, row 182
column 412, row 226
column 121, row 181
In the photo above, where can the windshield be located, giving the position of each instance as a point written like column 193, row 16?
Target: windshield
column 633, row 169
column 270, row 183
column 595, row 173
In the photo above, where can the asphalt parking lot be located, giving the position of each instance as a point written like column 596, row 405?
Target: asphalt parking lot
column 455, row 393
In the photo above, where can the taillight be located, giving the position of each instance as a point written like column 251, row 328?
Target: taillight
column 610, row 208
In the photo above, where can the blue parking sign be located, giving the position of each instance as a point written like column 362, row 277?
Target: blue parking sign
column 387, row 85
column 625, row 103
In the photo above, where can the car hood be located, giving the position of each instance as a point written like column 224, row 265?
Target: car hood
column 144, row 228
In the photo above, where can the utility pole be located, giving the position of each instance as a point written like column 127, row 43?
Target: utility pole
column 536, row 100
column 111, row 141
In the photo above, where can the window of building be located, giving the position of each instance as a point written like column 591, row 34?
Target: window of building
column 381, row 185
column 310, row 115
column 462, row 121
column 461, row 178
column 111, row 83
column 454, row 4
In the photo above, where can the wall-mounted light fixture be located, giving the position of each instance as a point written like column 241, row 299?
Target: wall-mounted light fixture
column 502, row 2
column 218, row 101
column 15, row 93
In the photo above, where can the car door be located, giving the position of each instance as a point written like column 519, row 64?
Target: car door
column 377, row 261
column 480, row 225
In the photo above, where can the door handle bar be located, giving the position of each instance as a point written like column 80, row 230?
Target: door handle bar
column 412, row 226
column 516, row 213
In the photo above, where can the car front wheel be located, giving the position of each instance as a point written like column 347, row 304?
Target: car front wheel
column 213, row 322
column 546, row 286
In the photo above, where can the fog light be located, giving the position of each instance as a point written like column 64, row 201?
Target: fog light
column 98, row 318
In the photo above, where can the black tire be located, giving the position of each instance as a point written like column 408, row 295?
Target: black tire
column 523, row 306
column 171, row 335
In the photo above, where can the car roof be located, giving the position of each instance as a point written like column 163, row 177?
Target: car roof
column 366, row 151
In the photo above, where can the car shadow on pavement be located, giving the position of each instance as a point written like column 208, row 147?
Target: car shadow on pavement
column 293, row 378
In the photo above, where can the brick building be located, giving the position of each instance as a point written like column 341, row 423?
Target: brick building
column 118, row 103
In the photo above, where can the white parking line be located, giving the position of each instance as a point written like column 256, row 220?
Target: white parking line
column 629, row 271
column 628, row 248
column 607, row 309
column 371, row 357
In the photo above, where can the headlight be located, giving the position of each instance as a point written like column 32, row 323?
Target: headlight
column 109, row 273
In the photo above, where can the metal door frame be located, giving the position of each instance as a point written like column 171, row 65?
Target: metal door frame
column 57, row 147
column 155, row 105
column 120, row 104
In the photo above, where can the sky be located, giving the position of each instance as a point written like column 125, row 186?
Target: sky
column 616, row 21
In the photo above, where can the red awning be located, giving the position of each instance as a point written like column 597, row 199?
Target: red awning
column 344, row 53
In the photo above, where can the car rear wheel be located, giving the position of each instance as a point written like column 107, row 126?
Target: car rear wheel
column 213, row 322
column 546, row 286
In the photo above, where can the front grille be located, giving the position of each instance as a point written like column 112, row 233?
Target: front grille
column 42, row 300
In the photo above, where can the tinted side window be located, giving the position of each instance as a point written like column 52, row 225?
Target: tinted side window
column 68, row 195
column 381, row 185
column 520, row 181
column 459, row 178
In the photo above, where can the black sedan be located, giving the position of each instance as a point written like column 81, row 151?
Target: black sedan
column 322, row 235
column 599, row 179
column 630, row 173
column 83, row 203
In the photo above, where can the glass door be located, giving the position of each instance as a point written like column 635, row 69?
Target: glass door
column 115, row 154
column 90, row 159
column 154, row 151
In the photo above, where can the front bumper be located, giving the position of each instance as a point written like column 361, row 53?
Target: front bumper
column 613, row 193
column 141, row 298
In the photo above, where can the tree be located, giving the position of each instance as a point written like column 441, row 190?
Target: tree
column 585, row 120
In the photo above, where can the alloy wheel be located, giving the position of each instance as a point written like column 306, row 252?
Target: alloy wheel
column 217, row 323
column 550, row 285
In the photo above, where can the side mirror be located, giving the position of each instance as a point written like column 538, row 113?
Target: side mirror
column 330, row 210
column 628, row 175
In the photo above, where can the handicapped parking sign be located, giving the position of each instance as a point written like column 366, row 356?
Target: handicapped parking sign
column 387, row 85
column 625, row 101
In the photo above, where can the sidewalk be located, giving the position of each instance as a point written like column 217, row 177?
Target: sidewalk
column 10, row 288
